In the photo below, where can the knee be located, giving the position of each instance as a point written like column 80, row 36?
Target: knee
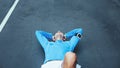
column 69, row 60
column 71, row 56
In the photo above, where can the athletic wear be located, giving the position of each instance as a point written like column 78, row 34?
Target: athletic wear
column 55, row 64
column 57, row 50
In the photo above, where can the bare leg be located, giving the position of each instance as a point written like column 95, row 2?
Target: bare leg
column 69, row 60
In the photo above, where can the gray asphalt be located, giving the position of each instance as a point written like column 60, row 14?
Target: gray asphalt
column 4, row 8
column 100, row 20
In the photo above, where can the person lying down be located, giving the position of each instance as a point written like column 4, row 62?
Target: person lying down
column 59, row 51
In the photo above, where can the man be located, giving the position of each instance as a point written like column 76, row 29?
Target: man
column 58, row 51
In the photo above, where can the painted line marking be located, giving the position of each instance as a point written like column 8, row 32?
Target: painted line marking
column 4, row 21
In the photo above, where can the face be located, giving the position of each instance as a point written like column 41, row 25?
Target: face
column 59, row 36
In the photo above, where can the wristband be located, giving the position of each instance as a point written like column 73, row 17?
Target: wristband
column 78, row 35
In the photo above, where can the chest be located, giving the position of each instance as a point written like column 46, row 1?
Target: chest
column 58, row 46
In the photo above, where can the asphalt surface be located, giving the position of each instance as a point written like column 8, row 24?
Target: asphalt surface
column 100, row 20
column 4, row 8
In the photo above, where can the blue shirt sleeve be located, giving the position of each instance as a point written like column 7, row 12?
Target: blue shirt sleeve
column 73, row 42
column 74, row 39
column 43, row 37
column 73, row 32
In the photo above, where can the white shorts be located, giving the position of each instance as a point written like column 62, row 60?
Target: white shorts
column 55, row 64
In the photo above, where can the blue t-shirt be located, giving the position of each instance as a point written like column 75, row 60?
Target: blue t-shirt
column 57, row 50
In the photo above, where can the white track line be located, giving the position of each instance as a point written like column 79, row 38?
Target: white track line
column 4, row 21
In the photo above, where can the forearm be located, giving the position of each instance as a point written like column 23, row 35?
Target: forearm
column 45, row 34
column 73, row 32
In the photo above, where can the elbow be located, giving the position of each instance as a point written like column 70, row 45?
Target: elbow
column 37, row 32
column 80, row 30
